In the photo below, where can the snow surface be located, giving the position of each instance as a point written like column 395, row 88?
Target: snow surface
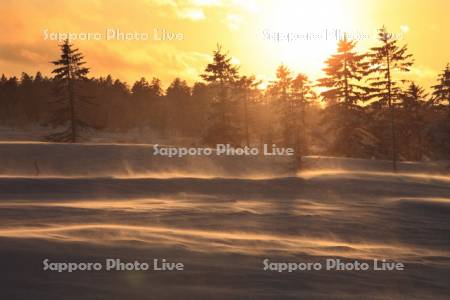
column 220, row 217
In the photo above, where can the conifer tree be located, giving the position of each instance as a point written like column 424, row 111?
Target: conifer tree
column 344, row 92
column 291, row 96
column 247, row 91
column 69, row 75
column 411, row 115
column 303, row 95
column 441, row 91
column 280, row 91
column 10, row 88
column 441, row 98
column 223, row 122
column 386, row 59
column 344, row 71
column 178, row 108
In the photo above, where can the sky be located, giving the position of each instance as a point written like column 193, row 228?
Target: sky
column 167, row 38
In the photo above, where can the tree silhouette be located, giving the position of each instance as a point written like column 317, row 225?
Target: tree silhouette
column 233, row 110
column 344, row 92
column 411, row 121
column 290, row 97
column 385, row 59
column 441, row 91
column 149, row 111
column 344, row 71
column 280, row 91
column 69, row 75
column 441, row 97
column 10, row 95
column 178, row 107
column 303, row 95
column 246, row 88
column 223, row 124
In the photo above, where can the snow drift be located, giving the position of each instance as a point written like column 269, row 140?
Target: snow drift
column 221, row 217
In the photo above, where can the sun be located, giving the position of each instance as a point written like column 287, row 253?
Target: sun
column 310, row 29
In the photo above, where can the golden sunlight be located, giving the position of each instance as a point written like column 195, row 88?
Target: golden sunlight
column 224, row 149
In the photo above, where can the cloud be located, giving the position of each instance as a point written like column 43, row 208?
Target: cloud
column 152, row 60
column 205, row 2
column 422, row 72
column 194, row 14
column 234, row 21
column 24, row 53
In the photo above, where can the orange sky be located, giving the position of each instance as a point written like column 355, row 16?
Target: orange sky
column 242, row 27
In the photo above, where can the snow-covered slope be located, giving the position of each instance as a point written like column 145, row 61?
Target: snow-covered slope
column 123, row 160
column 132, row 160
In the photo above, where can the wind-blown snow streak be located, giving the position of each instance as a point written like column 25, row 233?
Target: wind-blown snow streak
column 213, row 241
column 222, row 217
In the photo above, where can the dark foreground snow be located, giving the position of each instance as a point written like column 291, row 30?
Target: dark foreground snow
column 111, row 201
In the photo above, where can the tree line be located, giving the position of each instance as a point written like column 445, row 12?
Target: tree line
column 362, row 107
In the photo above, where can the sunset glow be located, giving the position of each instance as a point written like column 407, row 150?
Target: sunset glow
column 240, row 26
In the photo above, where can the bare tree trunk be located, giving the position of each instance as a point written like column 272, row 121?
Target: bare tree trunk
column 247, row 134
column 73, row 124
column 392, row 112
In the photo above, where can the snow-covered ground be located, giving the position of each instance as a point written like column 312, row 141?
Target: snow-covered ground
column 221, row 217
